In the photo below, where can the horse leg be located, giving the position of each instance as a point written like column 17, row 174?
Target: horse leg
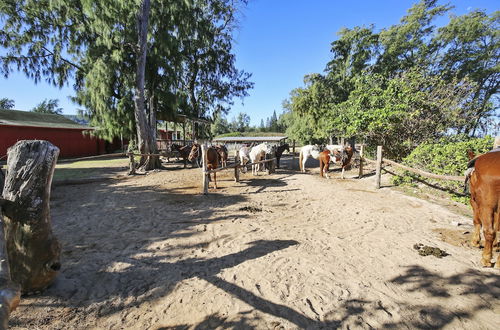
column 215, row 180
column 476, row 236
column 321, row 167
column 327, row 168
column 487, row 214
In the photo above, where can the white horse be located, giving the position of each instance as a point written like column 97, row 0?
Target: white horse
column 244, row 156
column 258, row 153
column 306, row 152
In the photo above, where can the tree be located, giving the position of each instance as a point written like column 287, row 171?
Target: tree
column 219, row 125
column 262, row 126
column 6, row 104
column 402, row 112
column 471, row 46
column 98, row 44
column 48, row 106
column 241, row 123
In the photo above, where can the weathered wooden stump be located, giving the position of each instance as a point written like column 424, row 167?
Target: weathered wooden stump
column 33, row 251
column 10, row 292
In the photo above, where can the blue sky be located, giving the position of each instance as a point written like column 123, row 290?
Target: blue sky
column 278, row 41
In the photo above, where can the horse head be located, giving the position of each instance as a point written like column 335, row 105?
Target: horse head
column 195, row 150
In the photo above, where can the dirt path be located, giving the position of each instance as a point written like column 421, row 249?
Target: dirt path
column 285, row 251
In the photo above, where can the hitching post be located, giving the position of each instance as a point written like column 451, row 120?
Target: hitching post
column 379, row 167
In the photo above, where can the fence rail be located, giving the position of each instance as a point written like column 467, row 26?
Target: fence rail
column 429, row 175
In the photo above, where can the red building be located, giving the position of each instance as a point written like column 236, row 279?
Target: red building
column 71, row 138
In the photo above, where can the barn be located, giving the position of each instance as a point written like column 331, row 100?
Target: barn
column 71, row 138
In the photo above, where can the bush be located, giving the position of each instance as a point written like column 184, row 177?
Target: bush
column 448, row 156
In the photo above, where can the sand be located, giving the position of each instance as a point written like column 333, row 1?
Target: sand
column 281, row 251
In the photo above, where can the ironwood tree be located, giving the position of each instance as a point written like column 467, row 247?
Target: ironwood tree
column 99, row 45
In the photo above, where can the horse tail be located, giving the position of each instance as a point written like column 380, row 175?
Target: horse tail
column 300, row 160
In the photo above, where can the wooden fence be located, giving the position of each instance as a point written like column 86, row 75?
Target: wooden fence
column 236, row 166
column 378, row 169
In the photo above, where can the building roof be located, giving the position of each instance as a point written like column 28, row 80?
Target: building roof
column 34, row 119
column 251, row 139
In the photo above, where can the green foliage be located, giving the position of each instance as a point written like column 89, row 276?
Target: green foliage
column 219, row 126
column 240, row 123
column 48, row 106
column 404, row 85
column 6, row 104
column 447, row 156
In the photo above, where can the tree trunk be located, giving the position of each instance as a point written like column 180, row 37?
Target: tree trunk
column 147, row 143
column 32, row 248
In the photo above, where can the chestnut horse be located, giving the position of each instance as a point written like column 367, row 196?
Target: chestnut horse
column 484, row 185
column 212, row 159
column 183, row 152
column 346, row 158
column 223, row 154
column 279, row 151
column 324, row 162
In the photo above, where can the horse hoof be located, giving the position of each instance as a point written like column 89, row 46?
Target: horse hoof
column 475, row 244
column 497, row 264
column 486, row 263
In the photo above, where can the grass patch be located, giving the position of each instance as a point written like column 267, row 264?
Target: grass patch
column 90, row 168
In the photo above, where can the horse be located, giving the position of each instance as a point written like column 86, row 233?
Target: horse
column 484, row 186
column 244, row 157
column 324, row 162
column 184, row 152
column 336, row 151
column 258, row 153
column 306, row 152
column 223, row 154
column 279, row 151
column 347, row 154
column 212, row 159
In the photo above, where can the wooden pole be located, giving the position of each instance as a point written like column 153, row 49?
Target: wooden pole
column 361, row 151
column 293, row 155
column 131, row 164
column 236, row 172
column 204, row 169
column 379, row 167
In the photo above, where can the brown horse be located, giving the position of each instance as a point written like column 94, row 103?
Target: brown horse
column 183, row 151
column 223, row 154
column 346, row 158
column 212, row 159
column 324, row 162
column 484, row 185
column 279, row 151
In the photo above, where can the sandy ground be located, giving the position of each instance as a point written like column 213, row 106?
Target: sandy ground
column 285, row 251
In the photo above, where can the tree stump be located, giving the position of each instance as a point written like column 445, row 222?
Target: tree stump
column 10, row 292
column 2, row 180
column 33, row 251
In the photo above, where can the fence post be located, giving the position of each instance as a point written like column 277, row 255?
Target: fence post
column 379, row 167
column 361, row 151
column 131, row 170
column 204, row 169
column 237, row 172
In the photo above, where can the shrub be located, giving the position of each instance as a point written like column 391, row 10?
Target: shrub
column 448, row 156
